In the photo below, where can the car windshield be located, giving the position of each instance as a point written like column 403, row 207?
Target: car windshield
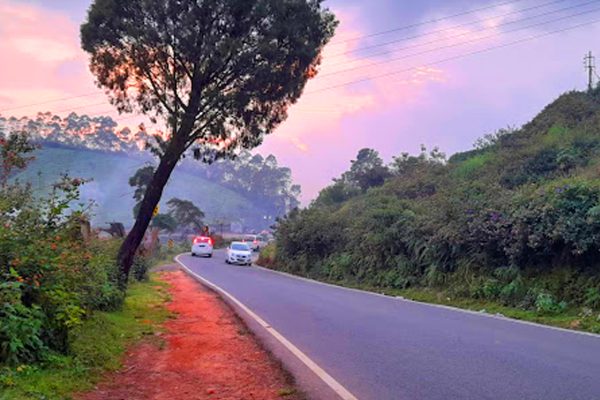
column 239, row 246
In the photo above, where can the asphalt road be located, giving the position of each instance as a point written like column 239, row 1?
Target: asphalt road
column 386, row 348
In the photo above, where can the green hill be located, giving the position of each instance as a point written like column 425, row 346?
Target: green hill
column 109, row 189
column 251, row 190
column 517, row 220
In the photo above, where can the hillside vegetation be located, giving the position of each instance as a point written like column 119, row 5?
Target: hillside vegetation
column 250, row 190
column 109, row 189
column 515, row 221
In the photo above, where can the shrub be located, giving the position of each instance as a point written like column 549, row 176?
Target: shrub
column 21, row 333
column 471, row 166
column 139, row 269
column 545, row 303
column 51, row 278
column 592, row 298
column 267, row 256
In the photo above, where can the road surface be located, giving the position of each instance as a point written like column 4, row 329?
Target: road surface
column 382, row 348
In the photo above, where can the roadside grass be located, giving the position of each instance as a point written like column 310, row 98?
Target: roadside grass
column 571, row 318
column 98, row 346
column 166, row 255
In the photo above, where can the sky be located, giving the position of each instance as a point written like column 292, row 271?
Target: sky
column 397, row 74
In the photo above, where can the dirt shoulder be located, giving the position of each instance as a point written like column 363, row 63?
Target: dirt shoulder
column 205, row 353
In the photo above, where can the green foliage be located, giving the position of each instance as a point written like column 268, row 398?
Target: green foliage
column 545, row 303
column 96, row 346
column 20, row 332
column 186, row 214
column 267, row 256
column 141, row 268
column 592, row 298
column 336, row 194
column 470, row 167
column 164, row 222
column 140, row 181
column 515, row 222
column 52, row 279
column 266, row 65
column 233, row 190
column 366, row 171
column 15, row 154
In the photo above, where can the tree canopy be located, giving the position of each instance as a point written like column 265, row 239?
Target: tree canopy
column 221, row 73
column 368, row 170
column 186, row 214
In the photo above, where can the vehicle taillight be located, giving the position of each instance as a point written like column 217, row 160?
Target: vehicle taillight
column 255, row 242
column 203, row 239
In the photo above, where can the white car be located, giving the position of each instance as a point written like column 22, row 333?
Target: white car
column 202, row 246
column 239, row 253
column 256, row 242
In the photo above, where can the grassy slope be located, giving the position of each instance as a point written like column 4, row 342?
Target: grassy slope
column 98, row 346
column 110, row 189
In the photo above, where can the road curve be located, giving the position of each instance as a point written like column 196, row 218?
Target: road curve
column 385, row 348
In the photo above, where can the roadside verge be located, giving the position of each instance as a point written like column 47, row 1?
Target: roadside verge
column 266, row 331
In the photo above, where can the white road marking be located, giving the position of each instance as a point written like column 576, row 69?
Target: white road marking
column 450, row 308
column 313, row 366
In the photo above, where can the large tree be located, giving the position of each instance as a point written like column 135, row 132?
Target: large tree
column 368, row 170
column 186, row 214
column 219, row 73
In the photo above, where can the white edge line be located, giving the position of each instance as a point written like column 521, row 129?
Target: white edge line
column 313, row 366
column 450, row 308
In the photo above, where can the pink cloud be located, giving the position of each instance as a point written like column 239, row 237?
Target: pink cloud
column 314, row 139
column 448, row 104
column 42, row 61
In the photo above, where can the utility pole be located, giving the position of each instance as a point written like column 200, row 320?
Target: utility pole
column 589, row 62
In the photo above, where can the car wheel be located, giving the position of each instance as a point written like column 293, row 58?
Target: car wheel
column 209, row 255
column 226, row 261
column 193, row 255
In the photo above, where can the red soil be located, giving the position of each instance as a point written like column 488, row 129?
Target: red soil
column 208, row 355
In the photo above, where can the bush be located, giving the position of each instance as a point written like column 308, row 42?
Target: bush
column 592, row 298
column 267, row 256
column 21, row 333
column 52, row 278
column 139, row 269
column 545, row 303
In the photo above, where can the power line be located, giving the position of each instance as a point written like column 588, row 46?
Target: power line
column 79, row 107
column 50, row 101
column 374, row 63
column 457, row 57
column 369, row 35
column 375, row 34
column 452, row 28
column 431, row 21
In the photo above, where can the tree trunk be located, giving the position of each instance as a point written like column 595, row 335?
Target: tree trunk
column 168, row 161
column 154, row 232
column 151, row 198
